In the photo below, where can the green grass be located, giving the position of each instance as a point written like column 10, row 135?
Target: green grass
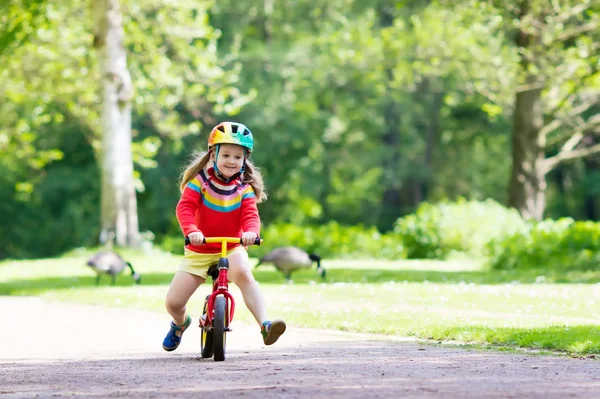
column 442, row 301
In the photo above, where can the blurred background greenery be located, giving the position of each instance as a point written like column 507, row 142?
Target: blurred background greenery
column 384, row 129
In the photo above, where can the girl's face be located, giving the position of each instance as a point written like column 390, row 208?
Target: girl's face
column 231, row 159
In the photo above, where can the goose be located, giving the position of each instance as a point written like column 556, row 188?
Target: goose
column 288, row 259
column 110, row 263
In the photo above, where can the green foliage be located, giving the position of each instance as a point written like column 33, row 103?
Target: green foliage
column 18, row 20
column 436, row 230
column 58, row 206
column 420, row 233
column 330, row 240
column 172, row 244
column 333, row 240
column 361, row 111
column 561, row 245
column 50, row 90
column 348, row 99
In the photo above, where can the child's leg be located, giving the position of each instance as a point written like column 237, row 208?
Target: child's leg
column 241, row 275
column 181, row 289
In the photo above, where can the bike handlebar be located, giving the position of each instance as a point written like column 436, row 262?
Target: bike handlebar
column 235, row 240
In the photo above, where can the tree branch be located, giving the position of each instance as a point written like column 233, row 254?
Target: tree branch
column 558, row 139
column 550, row 127
column 569, row 97
column 556, row 123
column 552, row 162
column 571, row 12
column 591, row 126
column 578, row 31
column 591, row 123
column 572, row 142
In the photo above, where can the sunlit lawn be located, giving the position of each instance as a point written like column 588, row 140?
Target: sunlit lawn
column 450, row 301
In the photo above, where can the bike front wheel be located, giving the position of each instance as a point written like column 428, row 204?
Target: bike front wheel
column 220, row 325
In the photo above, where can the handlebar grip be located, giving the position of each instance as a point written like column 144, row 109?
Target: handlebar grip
column 187, row 241
column 258, row 241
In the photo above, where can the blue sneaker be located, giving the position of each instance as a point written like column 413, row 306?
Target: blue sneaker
column 172, row 340
column 272, row 330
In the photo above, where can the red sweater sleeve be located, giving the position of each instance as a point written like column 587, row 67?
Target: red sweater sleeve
column 186, row 210
column 250, row 217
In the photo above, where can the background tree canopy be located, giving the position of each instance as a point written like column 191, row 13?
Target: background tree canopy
column 362, row 110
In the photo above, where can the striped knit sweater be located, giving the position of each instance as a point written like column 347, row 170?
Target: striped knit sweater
column 217, row 209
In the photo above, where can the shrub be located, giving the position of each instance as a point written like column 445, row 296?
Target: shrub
column 437, row 230
column 334, row 240
column 562, row 244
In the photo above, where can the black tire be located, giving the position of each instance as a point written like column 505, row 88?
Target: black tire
column 206, row 338
column 220, row 324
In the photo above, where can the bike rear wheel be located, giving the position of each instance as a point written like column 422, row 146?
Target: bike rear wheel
column 206, row 337
column 220, row 325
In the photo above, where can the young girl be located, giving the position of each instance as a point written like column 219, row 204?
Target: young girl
column 219, row 201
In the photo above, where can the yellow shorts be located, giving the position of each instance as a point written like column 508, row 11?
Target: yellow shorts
column 198, row 264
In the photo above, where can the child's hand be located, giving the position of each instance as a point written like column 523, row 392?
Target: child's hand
column 196, row 238
column 248, row 238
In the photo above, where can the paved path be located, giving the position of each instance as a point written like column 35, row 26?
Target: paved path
column 51, row 350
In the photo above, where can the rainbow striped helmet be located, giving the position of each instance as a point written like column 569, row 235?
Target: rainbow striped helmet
column 231, row 133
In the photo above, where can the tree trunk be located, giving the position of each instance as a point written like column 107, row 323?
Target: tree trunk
column 119, row 219
column 527, row 187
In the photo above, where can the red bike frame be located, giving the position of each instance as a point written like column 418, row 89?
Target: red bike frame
column 221, row 285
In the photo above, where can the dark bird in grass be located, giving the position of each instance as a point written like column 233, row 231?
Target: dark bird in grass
column 289, row 259
column 110, row 263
